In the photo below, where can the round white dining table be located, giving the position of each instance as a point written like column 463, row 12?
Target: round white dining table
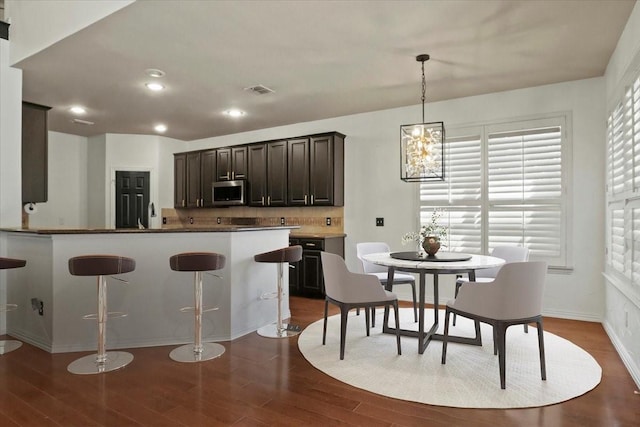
column 442, row 263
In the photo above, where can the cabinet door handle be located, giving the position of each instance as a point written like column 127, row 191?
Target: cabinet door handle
column 312, row 199
column 269, row 200
column 262, row 200
column 226, row 176
column 233, row 175
column 201, row 203
column 305, row 199
column 197, row 203
column 183, row 205
column 313, row 245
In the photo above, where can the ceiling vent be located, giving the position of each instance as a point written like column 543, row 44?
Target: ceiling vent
column 259, row 89
column 82, row 122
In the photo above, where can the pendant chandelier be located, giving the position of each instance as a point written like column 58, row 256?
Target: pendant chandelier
column 422, row 145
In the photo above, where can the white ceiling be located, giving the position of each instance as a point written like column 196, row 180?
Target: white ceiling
column 323, row 59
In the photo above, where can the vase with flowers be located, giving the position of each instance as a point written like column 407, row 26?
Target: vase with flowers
column 431, row 235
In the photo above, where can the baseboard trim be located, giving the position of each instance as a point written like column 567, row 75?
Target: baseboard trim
column 629, row 363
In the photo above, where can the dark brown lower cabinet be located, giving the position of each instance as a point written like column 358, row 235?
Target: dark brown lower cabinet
column 306, row 276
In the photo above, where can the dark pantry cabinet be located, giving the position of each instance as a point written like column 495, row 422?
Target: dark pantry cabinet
column 34, row 153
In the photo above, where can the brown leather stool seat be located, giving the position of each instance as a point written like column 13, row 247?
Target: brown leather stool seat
column 198, row 262
column 280, row 257
column 6, row 263
column 288, row 254
column 101, row 266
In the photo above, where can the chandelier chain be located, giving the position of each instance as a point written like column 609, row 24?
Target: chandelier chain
column 424, row 90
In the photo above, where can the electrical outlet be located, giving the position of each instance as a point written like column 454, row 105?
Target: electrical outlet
column 190, row 220
column 164, row 220
column 41, row 309
column 281, row 220
column 219, row 220
column 328, row 220
column 379, row 222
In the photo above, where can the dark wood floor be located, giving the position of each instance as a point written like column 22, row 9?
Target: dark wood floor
column 262, row 381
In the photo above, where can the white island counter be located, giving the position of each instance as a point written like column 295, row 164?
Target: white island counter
column 155, row 293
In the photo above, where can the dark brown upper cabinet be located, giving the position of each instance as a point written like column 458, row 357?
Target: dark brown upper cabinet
column 194, row 173
column 231, row 163
column 268, row 174
column 180, row 180
column 34, row 153
column 207, row 177
column 316, row 170
column 305, row 171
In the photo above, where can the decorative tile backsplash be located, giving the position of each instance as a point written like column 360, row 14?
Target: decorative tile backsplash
column 311, row 219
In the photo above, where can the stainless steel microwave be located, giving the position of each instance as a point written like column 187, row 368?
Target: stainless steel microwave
column 229, row 193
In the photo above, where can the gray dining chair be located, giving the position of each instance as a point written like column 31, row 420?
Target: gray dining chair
column 508, row 254
column 350, row 290
column 513, row 298
column 381, row 272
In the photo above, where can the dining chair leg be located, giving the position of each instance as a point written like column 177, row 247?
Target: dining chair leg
column 526, row 328
column 395, row 309
column 543, row 365
column 495, row 341
column 415, row 302
column 445, row 337
column 367, row 318
column 373, row 317
column 324, row 329
column 501, row 336
column 344, row 312
column 455, row 295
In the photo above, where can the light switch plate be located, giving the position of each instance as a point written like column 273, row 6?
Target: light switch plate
column 379, row 222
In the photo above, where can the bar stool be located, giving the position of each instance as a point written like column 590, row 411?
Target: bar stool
column 5, row 263
column 279, row 256
column 197, row 262
column 101, row 266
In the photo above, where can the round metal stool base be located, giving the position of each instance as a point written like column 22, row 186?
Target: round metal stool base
column 186, row 354
column 271, row 331
column 87, row 365
column 9, row 345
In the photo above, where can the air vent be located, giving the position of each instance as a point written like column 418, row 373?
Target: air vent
column 82, row 122
column 259, row 89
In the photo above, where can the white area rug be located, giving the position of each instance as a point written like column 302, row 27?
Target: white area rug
column 470, row 378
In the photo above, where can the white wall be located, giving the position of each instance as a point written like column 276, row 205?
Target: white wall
column 10, row 156
column 36, row 25
column 622, row 311
column 97, row 214
column 66, row 204
column 373, row 187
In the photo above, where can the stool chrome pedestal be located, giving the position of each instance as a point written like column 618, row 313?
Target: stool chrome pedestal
column 198, row 262
column 279, row 256
column 6, row 263
column 101, row 266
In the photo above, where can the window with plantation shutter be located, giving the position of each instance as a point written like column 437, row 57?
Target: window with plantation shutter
column 505, row 185
column 623, row 186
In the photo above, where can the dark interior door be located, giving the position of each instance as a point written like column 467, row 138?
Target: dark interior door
column 132, row 199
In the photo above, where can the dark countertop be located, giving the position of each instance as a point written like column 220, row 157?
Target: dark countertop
column 218, row 229
column 305, row 235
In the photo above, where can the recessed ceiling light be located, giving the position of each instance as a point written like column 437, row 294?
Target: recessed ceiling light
column 234, row 113
column 154, row 72
column 160, row 128
column 154, row 86
column 76, row 109
column 82, row 122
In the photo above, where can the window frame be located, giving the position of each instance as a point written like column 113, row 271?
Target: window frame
column 483, row 131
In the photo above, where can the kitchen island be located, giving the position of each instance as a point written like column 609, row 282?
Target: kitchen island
column 51, row 302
